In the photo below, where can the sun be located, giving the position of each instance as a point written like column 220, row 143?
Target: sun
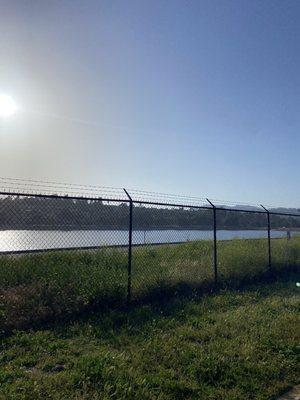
column 7, row 106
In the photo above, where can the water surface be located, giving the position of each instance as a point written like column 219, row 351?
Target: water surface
column 20, row 240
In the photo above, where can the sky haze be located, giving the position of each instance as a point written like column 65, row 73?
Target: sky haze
column 188, row 97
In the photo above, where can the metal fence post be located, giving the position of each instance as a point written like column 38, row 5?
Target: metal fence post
column 269, row 237
column 215, row 260
column 129, row 248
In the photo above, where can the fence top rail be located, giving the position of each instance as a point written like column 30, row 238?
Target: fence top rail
column 126, row 200
column 284, row 214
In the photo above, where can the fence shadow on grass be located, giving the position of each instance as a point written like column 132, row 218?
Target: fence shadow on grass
column 40, row 308
column 107, row 320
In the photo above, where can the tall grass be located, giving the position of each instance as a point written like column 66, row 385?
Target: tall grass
column 231, row 345
column 40, row 287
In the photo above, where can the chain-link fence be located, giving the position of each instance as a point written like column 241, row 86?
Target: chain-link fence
column 285, row 237
column 242, row 246
column 175, row 250
column 61, row 255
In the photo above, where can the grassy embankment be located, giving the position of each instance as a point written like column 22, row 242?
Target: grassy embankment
column 237, row 344
column 38, row 288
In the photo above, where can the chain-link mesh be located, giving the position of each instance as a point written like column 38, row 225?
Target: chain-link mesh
column 59, row 256
column 285, row 241
column 242, row 245
column 175, row 248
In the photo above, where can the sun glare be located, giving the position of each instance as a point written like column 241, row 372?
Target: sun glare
column 7, row 106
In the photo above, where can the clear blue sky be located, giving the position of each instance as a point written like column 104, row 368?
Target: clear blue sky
column 196, row 97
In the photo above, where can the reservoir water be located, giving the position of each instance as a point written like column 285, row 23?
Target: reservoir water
column 20, row 240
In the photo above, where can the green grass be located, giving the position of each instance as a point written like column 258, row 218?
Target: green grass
column 237, row 344
column 35, row 289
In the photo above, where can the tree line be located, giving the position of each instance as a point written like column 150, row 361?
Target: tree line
column 36, row 213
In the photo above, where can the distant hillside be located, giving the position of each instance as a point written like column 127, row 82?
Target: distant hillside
column 282, row 210
column 286, row 210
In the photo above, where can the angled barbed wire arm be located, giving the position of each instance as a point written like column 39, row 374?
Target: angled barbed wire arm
column 129, row 266
column 213, row 206
column 127, row 194
column 269, row 237
column 264, row 208
column 215, row 251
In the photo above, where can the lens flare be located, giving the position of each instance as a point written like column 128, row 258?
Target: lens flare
column 7, row 106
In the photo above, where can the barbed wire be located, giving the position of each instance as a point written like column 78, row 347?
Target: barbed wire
column 48, row 187
column 56, row 183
